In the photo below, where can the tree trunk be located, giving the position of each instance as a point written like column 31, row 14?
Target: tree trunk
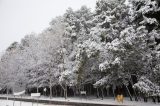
column 107, row 89
column 56, row 91
column 113, row 93
column 74, row 91
column 50, row 91
column 90, row 90
column 7, row 94
column 145, row 98
column 130, row 96
column 136, row 98
column 102, row 93
column 153, row 99
column 61, row 92
column 37, row 90
column 65, row 92
column 65, row 96
column 158, row 99
column 97, row 93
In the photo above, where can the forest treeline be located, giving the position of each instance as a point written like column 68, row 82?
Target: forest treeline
column 115, row 48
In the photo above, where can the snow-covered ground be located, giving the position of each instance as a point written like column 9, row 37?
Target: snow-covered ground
column 81, row 100
column 107, row 101
column 18, row 103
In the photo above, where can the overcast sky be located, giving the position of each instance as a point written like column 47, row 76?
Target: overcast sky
column 21, row 17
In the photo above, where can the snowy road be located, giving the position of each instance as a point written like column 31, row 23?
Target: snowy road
column 105, row 101
column 18, row 103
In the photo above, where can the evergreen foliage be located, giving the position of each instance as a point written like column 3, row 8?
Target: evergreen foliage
column 104, row 48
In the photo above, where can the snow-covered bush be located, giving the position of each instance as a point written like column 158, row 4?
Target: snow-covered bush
column 147, row 87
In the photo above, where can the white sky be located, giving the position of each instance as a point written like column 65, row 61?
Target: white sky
column 21, row 17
